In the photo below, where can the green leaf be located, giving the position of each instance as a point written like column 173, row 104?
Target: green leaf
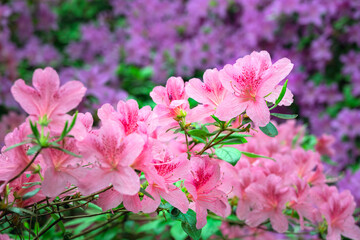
column 233, row 141
column 284, row 116
column 33, row 150
column 17, row 145
column 253, row 155
column 60, row 223
column 281, row 95
column 34, row 129
column 211, row 227
column 177, row 231
column 199, row 133
column 20, row 211
column 269, row 130
column 143, row 191
column 188, row 222
column 228, row 154
column 68, row 152
column 30, row 194
column 218, row 120
column 72, row 122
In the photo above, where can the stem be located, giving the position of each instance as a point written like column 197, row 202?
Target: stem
column 99, row 226
column 27, row 166
column 209, row 143
column 47, row 228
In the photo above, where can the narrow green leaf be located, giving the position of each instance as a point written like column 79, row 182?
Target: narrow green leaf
column 143, row 191
column 64, row 131
column 211, row 227
column 228, row 154
column 30, row 194
column 281, row 95
column 284, row 116
column 20, row 211
column 269, row 130
column 68, row 152
column 17, row 145
column 253, row 155
column 233, row 141
column 72, row 122
column 33, row 150
column 34, row 129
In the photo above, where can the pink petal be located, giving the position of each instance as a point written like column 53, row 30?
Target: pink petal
column 194, row 89
column 70, row 95
column 258, row 112
column 132, row 147
column 105, row 112
column 256, row 218
column 159, row 95
column 232, row 106
column 109, row 199
column 47, row 83
column 27, row 97
column 132, row 203
column 279, row 222
column 274, row 75
column 201, row 213
column 55, row 182
column 176, row 198
column 226, row 76
column 149, row 205
column 126, row 181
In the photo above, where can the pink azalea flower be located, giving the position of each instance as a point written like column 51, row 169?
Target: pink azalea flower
column 48, row 100
column 15, row 160
column 170, row 170
column 203, row 184
column 62, row 169
column 112, row 153
column 251, row 80
column 210, row 93
column 130, row 116
column 269, row 199
column 171, row 101
column 338, row 210
column 245, row 178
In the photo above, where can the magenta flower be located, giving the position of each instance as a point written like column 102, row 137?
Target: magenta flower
column 112, row 153
column 48, row 100
column 251, row 80
column 202, row 183
column 112, row 198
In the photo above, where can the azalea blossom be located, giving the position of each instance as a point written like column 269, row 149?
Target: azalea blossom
column 202, row 183
column 48, row 101
column 250, row 81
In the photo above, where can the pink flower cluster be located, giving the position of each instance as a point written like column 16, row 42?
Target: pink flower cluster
column 134, row 150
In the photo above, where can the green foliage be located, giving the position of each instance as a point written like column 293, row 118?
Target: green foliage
column 188, row 222
column 228, row 154
column 270, row 130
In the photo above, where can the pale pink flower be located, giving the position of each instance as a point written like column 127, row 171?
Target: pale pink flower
column 130, row 117
column 338, row 210
column 48, row 98
column 171, row 101
column 269, row 199
column 15, row 160
column 210, row 93
column 251, row 80
column 112, row 153
column 202, row 183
